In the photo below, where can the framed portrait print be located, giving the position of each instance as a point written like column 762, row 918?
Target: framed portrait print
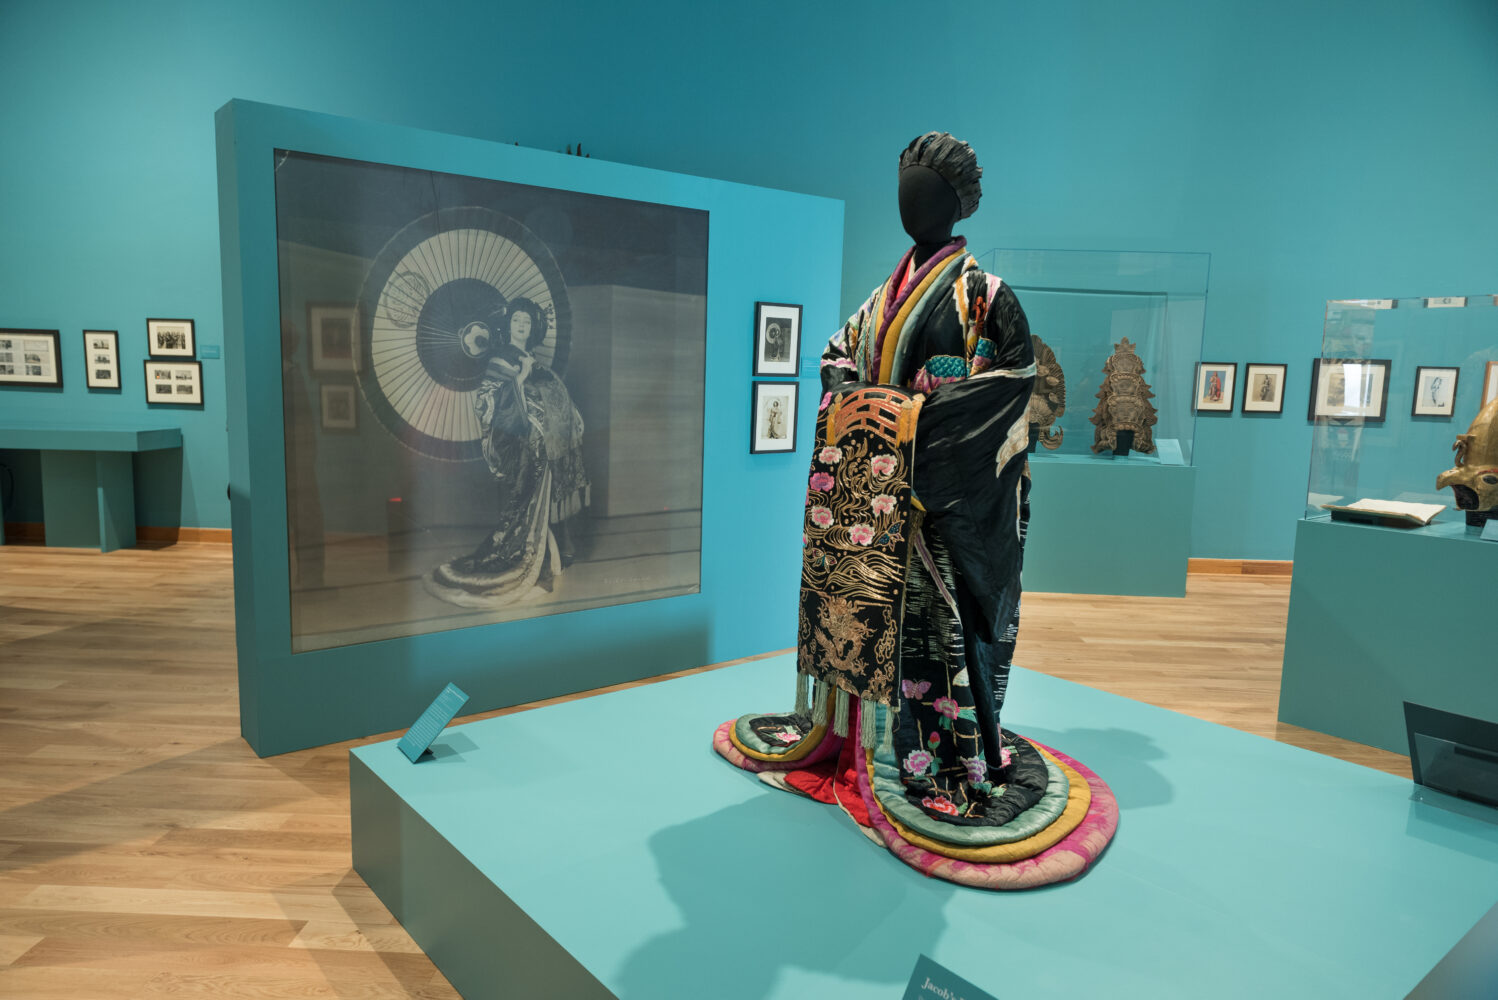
column 31, row 357
column 772, row 422
column 338, row 410
column 171, row 338
column 1349, row 389
column 101, row 358
column 1215, row 382
column 331, row 330
column 1490, row 383
column 174, row 383
column 777, row 338
column 1435, row 391
column 1264, row 388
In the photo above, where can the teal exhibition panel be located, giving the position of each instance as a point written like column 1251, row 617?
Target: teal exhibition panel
column 1380, row 616
column 490, row 418
column 525, row 859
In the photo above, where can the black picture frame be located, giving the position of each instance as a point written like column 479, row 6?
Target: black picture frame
column 162, row 338
column 1281, row 374
column 159, row 374
column 1367, row 412
column 339, row 406
column 1225, row 404
column 30, row 358
column 101, row 374
column 1454, row 373
column 777, row 338
column 764, row 436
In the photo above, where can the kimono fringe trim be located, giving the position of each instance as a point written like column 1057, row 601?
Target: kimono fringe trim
column 840, row 713
column 819, row 702
column 868, row 728
column 803, row 693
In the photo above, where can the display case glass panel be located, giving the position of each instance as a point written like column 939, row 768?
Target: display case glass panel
column 493, row 398
column 1396, row 383
column 1083, row 305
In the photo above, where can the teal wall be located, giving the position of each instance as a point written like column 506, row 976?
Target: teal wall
column 1335, row 149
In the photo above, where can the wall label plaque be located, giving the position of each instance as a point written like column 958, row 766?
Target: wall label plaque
column 431, row 723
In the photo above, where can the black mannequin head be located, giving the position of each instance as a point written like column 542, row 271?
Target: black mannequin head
column 939, row 184
column 928, row 205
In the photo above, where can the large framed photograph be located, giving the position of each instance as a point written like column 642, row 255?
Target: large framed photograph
column 773, row 417
column 1264, row 388
column 339, row 412
column 1349, row 389
column 1215, row 382
column 1490, row 383
column 101, row 358
column 174, row 383
column 777, row 338
column 1435, row 391
column 31, row 357
column 331, row 335
column 171, row 338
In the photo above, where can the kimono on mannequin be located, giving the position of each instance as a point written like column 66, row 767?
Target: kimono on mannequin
column 916, row 512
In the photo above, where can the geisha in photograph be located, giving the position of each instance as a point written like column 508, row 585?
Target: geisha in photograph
column 913, row 537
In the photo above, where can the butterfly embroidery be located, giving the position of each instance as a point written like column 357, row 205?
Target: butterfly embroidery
column 914, row 689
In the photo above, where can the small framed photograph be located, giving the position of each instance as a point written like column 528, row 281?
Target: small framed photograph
column 171, row 338
column 1435, row 391
column 332, row 333
column 338, row 410
column 1264, row 388
column 773, row 417
column 777, row 338
column 31, row 357
column 101, row 358
column 1349, row 389
column 174, row 383
column 1490, row 383
column 1215, row 381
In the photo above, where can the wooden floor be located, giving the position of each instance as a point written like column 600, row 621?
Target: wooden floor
column 145, row 852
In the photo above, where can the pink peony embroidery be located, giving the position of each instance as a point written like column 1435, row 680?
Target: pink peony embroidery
column 914, row 689
column 786, row 736
column 1004, row 757
column 882, row 465
column 821, row 481
column 917, row 761
column 861, row 534
column 946, row 706
column 977, row 769
column 941, row 804
column 883, row 503
column 830, row 455
column 820, row 516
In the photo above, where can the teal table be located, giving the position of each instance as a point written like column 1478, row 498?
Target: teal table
column 88, row 479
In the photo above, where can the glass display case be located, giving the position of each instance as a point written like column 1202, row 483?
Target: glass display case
column 1119, row 332
column 1397, row 383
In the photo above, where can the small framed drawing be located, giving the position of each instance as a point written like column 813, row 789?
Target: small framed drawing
column 331, row 329
column 171, row 338
column 1349, row 389
column 101, row 358
column 1264, row 388
column 31, row 357
column 777, row 338
column 1215, row 382
column 1490, row 383
column 175, row 383
column 773, row 417
column 1435, row 391
column 338, row 410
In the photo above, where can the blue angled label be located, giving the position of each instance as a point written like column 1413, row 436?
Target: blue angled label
column 435, row 719
column 931, row 981
column 1490, row 530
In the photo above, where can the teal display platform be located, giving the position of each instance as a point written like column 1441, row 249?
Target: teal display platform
column 602, row 845
column 1105, row 525
column 1381, row 616
column 88, row 479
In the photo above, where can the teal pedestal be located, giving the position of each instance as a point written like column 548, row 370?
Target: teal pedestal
column 88, row 480
column 1381, row 616
column 599, row 847
column 1105, row 525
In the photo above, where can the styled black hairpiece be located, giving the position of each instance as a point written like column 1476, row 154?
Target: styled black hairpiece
column 954, row 160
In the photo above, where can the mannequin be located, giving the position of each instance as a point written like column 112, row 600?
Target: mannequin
column 917, row 508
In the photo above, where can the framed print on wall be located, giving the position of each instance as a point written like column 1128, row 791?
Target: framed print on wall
column 1264, row 388
column 1215, row 382
column 1490, row 383
column 30, row 357
column 330, row 335
column 171, row 338
column 101, row 358
column 1435, row 391
column 1349, row 389
column 339, row 412
column 773, row 417
column 777, row 338
column 175, row 383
